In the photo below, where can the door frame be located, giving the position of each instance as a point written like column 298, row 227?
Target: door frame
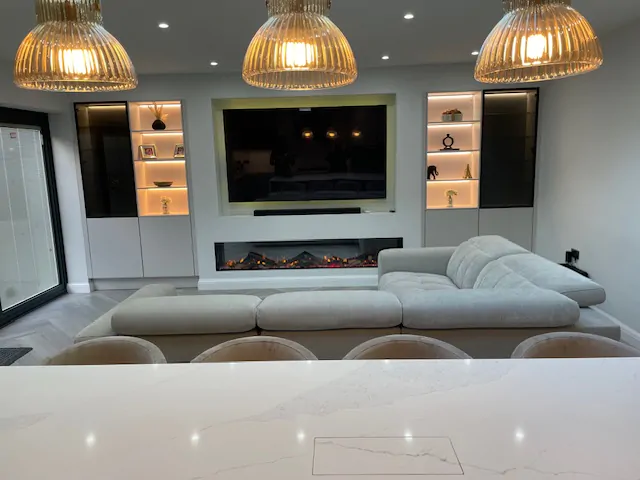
column 40, row 120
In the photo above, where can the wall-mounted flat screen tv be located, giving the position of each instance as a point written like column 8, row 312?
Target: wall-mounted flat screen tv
column 302, row 154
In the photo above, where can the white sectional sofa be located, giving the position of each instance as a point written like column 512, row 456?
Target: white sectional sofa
column 484, row 296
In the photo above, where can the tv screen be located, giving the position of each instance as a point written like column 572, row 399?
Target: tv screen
column 299, row 154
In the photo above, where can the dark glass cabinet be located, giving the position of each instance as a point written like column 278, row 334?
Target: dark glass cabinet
column 509, row 138
column 104, row 142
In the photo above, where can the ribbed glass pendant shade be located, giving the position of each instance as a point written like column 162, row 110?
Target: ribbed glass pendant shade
column 70, row 51
column 538, row 40
column 299, row 48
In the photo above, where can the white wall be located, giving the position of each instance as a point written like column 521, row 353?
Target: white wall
column 71, row 200
column 197, row 91
column 588, row 173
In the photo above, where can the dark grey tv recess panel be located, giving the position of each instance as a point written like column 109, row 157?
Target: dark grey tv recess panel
column 509, row 140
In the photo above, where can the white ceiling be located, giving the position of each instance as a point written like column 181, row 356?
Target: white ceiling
column 443, row 31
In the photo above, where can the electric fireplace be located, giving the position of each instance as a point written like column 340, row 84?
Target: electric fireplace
column 302, row 255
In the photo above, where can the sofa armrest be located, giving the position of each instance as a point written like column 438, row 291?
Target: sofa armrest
column 503, row 308
column 417, row 260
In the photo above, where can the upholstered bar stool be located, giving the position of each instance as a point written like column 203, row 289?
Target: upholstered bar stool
column 109, row 351
column 572, row 345
column 255, row 349
column 399, row 347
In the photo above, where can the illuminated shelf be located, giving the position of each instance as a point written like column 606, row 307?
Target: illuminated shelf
column 168, row 215
column 454, row 96
column 158, row 132
column 451, row 165
column 463, row 123
column 461, row 180
column 165, row 168
column 161, row 160
column 455, row 207
column 451, row 152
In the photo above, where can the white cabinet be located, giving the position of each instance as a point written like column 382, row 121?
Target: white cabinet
column 450, row 227
column 515, row 224
column 114, row 244
column 167, row 246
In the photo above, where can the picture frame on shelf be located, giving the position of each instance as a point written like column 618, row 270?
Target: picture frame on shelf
column 178, row 151
column 147, row 152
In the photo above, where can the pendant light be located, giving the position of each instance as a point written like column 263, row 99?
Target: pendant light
column 299, row 48
column 538, row 40
column 70, row 51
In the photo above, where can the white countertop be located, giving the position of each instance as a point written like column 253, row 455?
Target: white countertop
column 484, row 419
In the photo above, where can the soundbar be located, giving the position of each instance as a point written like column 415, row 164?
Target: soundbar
column 307, row 211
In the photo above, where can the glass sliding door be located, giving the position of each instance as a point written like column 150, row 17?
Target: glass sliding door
column 30, row 255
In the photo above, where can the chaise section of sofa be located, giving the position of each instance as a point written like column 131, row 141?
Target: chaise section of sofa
column 485, row 283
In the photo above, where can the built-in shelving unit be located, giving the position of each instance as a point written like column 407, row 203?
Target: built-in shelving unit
column 496, row 134
column 451, row 163
column 168, row 163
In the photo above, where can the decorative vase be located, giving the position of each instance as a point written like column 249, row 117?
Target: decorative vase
column 165, row 209
column 447, row 117
column 450, row 205
column 158, row 125
column 457, row 117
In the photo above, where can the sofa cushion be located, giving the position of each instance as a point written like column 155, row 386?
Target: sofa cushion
column 546, row 274
column 484, row 308
column 497, row 275
column 102, row 326
column 329, row 310
column 396, row 282
column 472, row 256
column 187, row 315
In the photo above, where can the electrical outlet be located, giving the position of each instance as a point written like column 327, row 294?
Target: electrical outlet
column 572, row 256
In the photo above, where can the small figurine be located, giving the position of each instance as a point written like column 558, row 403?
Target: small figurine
column 432, row 172
column 166, row 201
column 467, row 173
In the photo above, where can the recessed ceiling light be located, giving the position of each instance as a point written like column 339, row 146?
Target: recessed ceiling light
column 163, row 25
column 214, row 64
column 475, row 53
column 409, row 16
column 385, row 57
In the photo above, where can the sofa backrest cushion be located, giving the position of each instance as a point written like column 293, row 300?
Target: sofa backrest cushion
column 498, row 276
column 544, row 273
column 472, row 256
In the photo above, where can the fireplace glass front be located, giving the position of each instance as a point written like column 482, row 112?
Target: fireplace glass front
column 297, row 255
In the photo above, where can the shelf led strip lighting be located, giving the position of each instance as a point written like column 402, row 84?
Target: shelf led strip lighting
column 171, row 105
column 451, row 153
column 449, row 125
column 163, row 162
column 160, row 134
column 449, row 97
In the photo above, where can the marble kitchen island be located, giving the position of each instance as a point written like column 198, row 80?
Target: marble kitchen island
column 477, row 419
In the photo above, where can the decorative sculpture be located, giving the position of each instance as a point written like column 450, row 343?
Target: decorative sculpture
column 450, row 194
column 448, row 142
column 432, row 172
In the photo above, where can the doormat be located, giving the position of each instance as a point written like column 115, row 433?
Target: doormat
column 8, row 356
